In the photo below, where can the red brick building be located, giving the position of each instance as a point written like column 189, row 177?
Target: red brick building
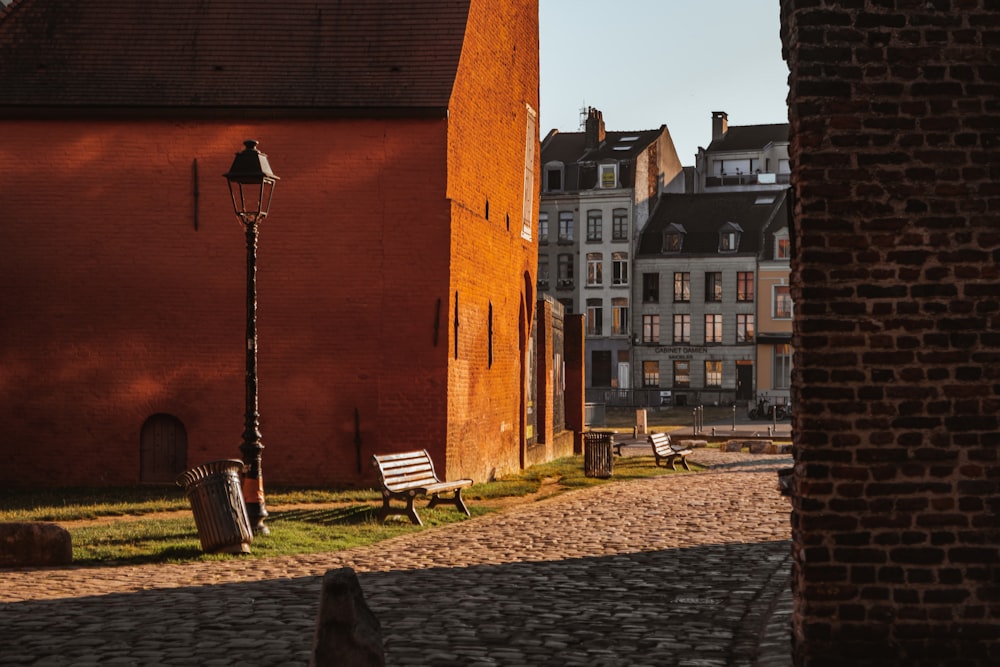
column 396, row 271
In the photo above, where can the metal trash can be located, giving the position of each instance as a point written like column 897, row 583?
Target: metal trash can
column 220, row 514
column 597, row 450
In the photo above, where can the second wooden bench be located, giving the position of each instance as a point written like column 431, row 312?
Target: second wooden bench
column 665, row 450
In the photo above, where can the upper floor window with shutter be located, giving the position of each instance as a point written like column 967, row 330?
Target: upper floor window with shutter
column 608, row 176
column 673, row 238
column 729, row 237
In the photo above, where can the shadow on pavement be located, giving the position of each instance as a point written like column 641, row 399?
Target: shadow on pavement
column 705, row 605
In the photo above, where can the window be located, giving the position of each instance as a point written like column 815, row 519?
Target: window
column 594, row 224
column 565, row 226
column 713, row 373
column 565, row 269
column 595, row 274
column 682, row 373
column 651, row 374
column 782, row 245
column 530, row 191
column 619, row 268
column 673, row 238
column 567, row 304
column 729, row 237
column 713, row 286
column 782, row 367
column 731, row 167
column 608, row 175
column 682, row 328
column 782, row 302
column 619, row 225
column 543, row 272
column 650, row 328
column 543, row 227
column 744, row 286
column 595, row 317
column 619, row 317
column 682, row 287
column 744, row 328
column 651, row 288
column 784, row 249
column 554, row 176
column 713, row 329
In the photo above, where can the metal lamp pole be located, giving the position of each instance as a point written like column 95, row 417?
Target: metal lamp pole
column 251, row 185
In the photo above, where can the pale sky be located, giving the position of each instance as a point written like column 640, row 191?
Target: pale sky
column 646, row 63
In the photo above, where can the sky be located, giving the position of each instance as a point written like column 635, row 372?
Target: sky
column 646, row 63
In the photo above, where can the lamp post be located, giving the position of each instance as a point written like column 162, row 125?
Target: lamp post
column 251, row 185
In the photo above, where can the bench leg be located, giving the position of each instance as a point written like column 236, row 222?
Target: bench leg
column 457, row 501
column 684, row 462
column 409, row 512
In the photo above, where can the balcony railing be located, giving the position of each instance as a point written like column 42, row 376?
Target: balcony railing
column 747, row 179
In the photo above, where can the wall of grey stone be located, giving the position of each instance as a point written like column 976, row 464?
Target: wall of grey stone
column 894, row 108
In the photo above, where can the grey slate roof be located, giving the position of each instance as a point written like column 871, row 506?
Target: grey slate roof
column 316, row 54
column 580, row 162
column 704, row 215
column 750, row 137
column 568, row 147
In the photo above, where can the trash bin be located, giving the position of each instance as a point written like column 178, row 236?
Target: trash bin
column 220, row 514
column 597, row 459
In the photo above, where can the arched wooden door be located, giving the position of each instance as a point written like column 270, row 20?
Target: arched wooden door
column 162, row 449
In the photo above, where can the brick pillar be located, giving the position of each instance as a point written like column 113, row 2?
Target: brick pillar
column 544, row 372
column 575, row 378
column 895, row 142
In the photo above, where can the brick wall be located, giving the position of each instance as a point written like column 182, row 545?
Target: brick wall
column 895, row 134
column 493, row 267
column 119, row 307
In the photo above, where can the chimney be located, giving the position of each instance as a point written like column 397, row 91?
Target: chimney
column 594, row 129
column 720, row 124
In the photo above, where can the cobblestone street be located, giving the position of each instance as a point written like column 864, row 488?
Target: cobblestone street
column 686, row 569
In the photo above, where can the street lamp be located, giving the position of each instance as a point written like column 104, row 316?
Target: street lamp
column 251, row 185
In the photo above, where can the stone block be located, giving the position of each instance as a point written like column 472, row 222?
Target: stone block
column 33, row 544
column 692, row 443
column 347, row 632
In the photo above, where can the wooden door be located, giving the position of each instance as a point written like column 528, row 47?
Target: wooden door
column 162, row 449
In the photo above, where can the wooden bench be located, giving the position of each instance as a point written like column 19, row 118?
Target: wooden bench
column 407, row 475
column 665, row 450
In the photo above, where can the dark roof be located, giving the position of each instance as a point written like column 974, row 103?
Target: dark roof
column 311, row 54
column 580, row 163
column 750, row 137
column 704, row 215
column 570, row 147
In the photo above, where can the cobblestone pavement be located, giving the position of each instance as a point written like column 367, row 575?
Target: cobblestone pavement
column 687, row 569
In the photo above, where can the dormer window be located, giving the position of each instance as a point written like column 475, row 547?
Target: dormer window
column 782, row 245
column 729, row 237
column 554, row 172
column 673, row 238
column 607, row 176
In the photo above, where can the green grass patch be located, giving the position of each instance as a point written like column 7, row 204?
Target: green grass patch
column 117, row 526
